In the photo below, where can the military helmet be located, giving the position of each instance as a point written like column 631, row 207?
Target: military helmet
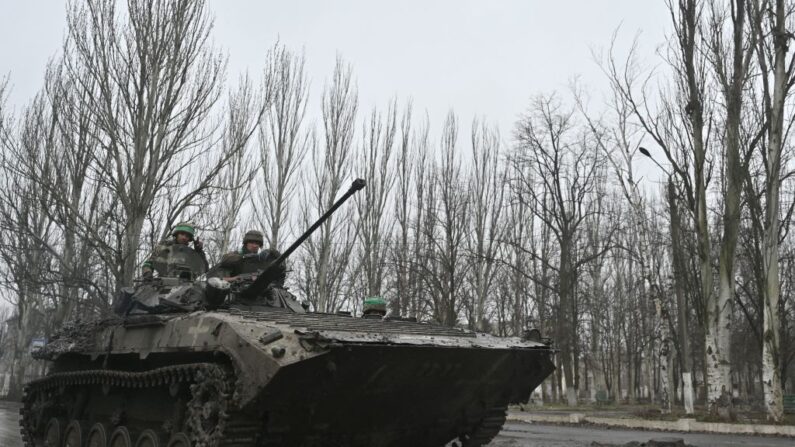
column 254, row 236
column 184, row 227
column 374, row 305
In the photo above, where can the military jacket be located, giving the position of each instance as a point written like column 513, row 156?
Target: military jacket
column 170, row 259
column 238, row 263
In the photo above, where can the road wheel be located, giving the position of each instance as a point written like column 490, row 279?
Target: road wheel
column 120, row 438
column 73, row 436
column 148, row 438
column 97, row 436
column 52, row 434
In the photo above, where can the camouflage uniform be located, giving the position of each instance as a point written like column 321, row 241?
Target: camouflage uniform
column 172, row 259
column 241, row 262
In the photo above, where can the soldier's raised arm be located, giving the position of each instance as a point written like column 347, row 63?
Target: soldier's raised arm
column 198, row 247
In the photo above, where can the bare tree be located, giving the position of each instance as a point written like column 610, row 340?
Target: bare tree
column 680, row 274
column 730, row 63
column 682, row 132
column 770, row 29
column 283, row 142
column 79, row 205
column 487, row 192
column 152, row 83
column 566, row 165
column 25, row 263
column 443, row 222
column 376, row 164
column 417, row 226
column 325, row 265
column 404, row 165
column 514, row 253
column 236, row 179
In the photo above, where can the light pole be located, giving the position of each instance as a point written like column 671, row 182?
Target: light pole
column 678, row 262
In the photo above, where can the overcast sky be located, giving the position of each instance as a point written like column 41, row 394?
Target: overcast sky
column 485, row 58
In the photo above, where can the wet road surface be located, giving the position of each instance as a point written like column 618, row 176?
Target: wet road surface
column 514, row 434
column 9, row 424
column 542, row 435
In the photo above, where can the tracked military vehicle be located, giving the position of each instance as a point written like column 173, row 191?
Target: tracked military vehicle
column 207, row 363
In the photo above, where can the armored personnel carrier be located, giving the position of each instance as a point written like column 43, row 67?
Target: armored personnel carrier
column 208, row 363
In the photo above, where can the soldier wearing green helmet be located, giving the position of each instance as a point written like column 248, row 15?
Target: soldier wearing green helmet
column 175, row 257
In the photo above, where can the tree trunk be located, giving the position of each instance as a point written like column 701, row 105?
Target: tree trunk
column 20, row 355
column 666, row 363
column 132, row 240
column 565, row 322
column 679, row 290
column 771, row 343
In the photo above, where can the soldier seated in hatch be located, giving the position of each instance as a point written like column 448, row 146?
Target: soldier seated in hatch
column 249, row 260
column 175, row 258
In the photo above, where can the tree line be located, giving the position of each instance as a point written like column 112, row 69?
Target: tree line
column 674, row 291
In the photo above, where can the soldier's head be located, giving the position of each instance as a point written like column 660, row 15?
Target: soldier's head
column 183, row 233
column 252, row 241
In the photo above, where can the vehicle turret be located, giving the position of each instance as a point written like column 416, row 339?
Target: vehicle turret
column 268, row 275
column 183, row 293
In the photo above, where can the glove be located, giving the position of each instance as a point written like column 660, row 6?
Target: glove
column 198, row 245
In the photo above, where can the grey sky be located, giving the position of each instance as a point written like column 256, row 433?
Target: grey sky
column 483, row 58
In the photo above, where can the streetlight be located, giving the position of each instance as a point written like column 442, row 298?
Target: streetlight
column 646, row 152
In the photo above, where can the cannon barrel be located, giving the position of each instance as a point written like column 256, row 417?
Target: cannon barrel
column 269, row 274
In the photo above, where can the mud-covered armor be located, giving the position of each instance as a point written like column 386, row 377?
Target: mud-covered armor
column 171, row 259
column 175, row 286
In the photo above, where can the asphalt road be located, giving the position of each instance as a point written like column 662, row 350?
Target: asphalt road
column 513, row 434
column 9, row 425
column 542, row 435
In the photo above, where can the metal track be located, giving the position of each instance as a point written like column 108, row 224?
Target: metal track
column 210, row 384
column 232, row 428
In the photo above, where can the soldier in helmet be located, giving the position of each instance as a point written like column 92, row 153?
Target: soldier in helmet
column 175, row 257
column 250, row 259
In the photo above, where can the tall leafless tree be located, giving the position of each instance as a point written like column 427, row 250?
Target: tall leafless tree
column 235, row 181
column 375, row 163
column 283, row 141
column 400, row 248
column 681, row 126
column 730, row 62
column 325, row 264
column 770, row 21
column 486, row 187
column 27, row 265
column 566, row 164
column 444, row 225
column 152, row 83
